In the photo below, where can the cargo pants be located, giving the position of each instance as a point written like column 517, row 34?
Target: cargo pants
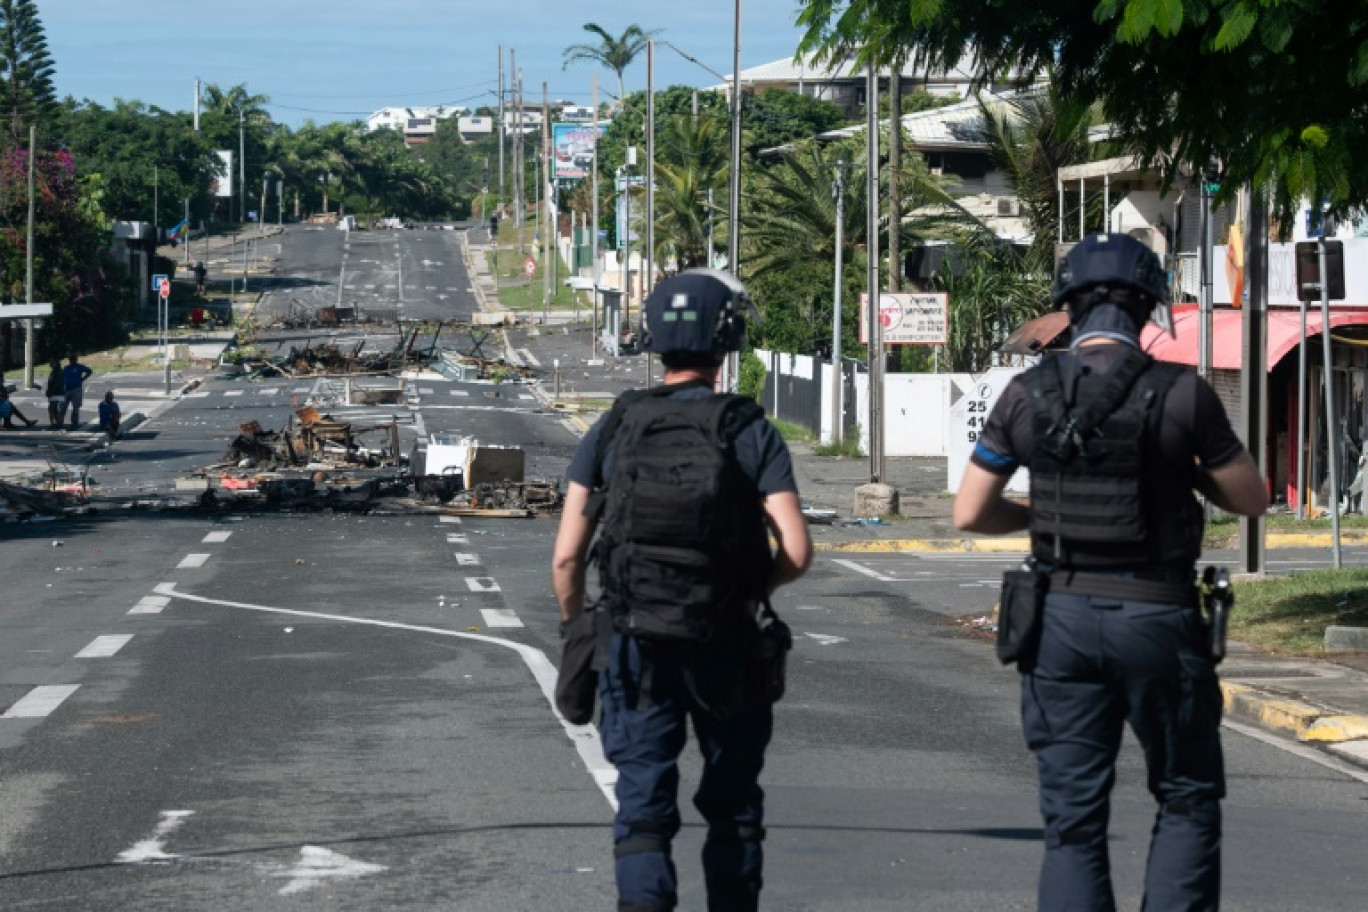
column 643, row 739
column 1103, row 663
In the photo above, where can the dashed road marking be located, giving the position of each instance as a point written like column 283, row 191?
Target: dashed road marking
column 858, row 568
column 825, row 639
column 460, row 392
column 526, row 396
column 40, row 701
column 529, row 357
column 216, row 538
column 102, row 647
column 272, row 390
column 301, row 390
column 428, row 391
column 456, row 538
column 481, row 584
column 192, row 561
column 500, row 617
column 232, row 392
column 454, row 520
column 467, row 560
column 150, row 604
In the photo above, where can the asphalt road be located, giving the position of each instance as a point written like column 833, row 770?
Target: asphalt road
column 306, row 711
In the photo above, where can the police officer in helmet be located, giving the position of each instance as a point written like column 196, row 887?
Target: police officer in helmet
column 1116, row 444
column 650, row 690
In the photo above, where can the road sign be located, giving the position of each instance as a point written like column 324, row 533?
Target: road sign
column 530, row 267
column 164, row 290
column 157, row 281
column 909, row 319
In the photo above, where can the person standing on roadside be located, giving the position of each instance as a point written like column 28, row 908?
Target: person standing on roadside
column 1105, row 622
column 74, row 376
column 56, row 394
column 683, row 486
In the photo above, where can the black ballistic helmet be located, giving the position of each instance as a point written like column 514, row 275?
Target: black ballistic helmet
column 1102, row 264
column 698, row 310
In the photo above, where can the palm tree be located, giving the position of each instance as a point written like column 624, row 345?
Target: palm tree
column 691, row 160
column 26, row 69
column 1030, row 137
column 612, row 53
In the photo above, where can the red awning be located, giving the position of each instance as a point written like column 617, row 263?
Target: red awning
column 1284, row 329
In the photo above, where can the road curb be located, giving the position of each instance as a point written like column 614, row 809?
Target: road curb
column 1291, row 717
column 928, row 545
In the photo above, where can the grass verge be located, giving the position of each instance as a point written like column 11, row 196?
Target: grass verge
column 1289, row 614
column 792, row 433
column 516, row 291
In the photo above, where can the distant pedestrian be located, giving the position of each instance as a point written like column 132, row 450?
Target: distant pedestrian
column 56, row 395
column 74, row 375
column 8, row 411
column 110, row 415
column 201, row 274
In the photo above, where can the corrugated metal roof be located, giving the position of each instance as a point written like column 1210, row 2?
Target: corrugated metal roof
column 807, row 67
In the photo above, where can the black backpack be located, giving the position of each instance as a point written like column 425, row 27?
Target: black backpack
column 683, row 550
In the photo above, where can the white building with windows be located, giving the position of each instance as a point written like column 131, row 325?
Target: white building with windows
column 418, row 123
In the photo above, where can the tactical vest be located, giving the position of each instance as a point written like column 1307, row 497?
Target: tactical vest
column 1101, row 499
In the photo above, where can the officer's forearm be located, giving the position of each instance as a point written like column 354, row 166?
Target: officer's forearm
column 1002, row 516
column 567, row 581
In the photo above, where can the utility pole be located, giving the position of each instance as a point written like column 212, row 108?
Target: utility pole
column 501, row 136
column 1327, row 374
column 649, row 279
column 594, row 236
column 197, row 103
column 894, row 177
column 518, row 173
column 242, row 168
column 155, row 219
column 548, row 162
column 876, row 444
column 28, row 257
column 837, row 386
column 1254, row 377
column 731, row 367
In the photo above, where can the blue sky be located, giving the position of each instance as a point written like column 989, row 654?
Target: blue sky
column 341, row 59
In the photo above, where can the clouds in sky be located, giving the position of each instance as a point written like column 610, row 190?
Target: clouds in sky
column 340, row 59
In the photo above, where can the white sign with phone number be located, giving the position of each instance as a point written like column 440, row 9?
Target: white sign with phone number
column 967, row 418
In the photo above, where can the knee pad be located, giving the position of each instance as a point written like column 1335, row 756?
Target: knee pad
column 644, row 836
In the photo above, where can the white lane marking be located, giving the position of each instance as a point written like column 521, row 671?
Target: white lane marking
column 428, row 391
column 500, row 617
column 40, row 701
column 232, row 392
column 154, row 849
column 300, row 390
column 481, row 584
column 584, row 737
column 526, row 396
column 201, row 395
column 102, row 647
column 216, row 538
column 529, row 357
column 825, row 639
column 192, row 561
column 1306, row 753
column 150, row 604
column 460, row 392
column 272, row 390
column 467, row 560
column 454, row 538
column 317, row 864
column 858, row 568
column 450, row 519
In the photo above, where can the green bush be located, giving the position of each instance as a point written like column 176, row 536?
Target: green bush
column 751, row 382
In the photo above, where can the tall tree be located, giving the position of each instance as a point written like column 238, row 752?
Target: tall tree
column 26, row 69
column 1273, row 93
column 613, row 53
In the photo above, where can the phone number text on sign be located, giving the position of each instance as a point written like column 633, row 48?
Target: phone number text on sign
column 909, row 319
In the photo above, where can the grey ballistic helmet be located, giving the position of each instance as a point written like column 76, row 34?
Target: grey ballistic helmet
column 1101, row 263
column 697, row 310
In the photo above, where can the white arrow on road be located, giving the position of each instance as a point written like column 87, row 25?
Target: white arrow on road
column 824, row 639
column 317, row 864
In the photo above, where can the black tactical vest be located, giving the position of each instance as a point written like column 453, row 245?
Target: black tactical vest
column 1102, row 498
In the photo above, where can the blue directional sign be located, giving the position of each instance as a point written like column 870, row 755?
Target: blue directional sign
column 157, row 280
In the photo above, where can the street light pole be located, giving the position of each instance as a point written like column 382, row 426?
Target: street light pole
column 649, row 280
column 872, row 278
column 734, row 222
column 594, row 236
column 837, row 412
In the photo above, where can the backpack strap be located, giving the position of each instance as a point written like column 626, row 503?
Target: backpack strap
column 730, row 414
